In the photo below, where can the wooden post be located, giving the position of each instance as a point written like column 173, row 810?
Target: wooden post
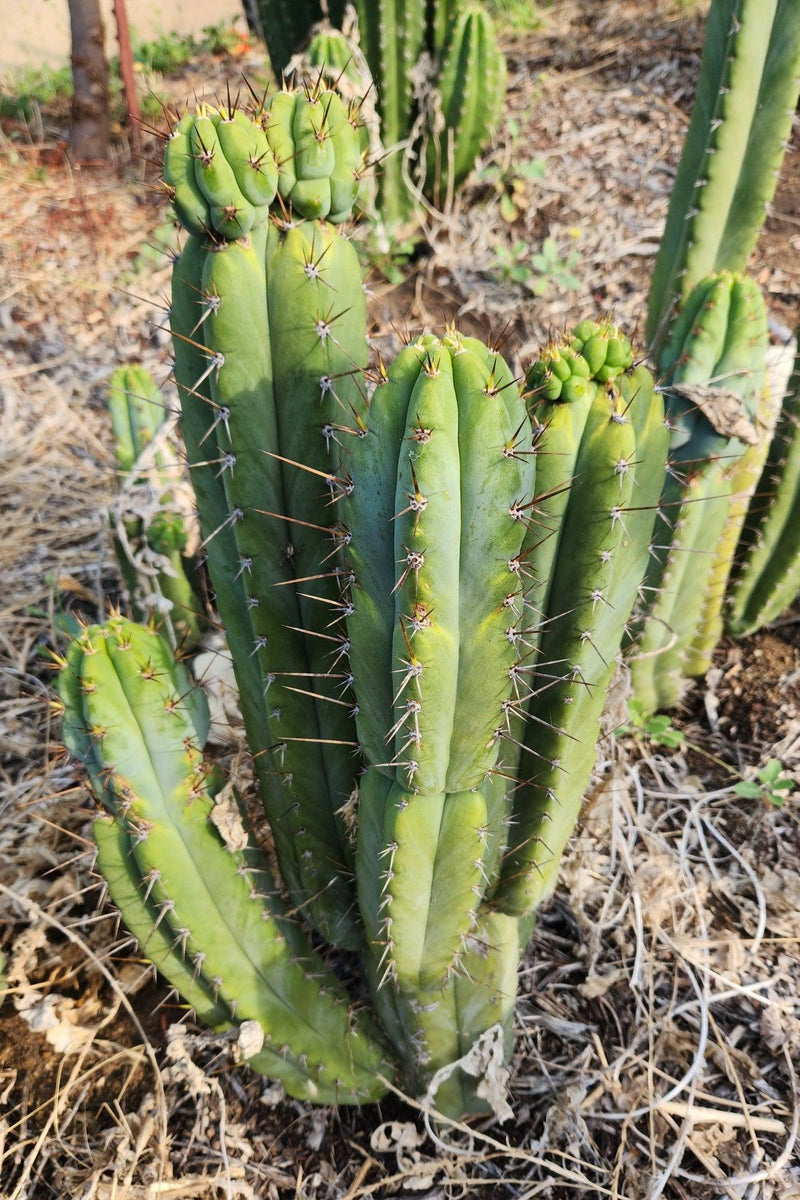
column 126, row 71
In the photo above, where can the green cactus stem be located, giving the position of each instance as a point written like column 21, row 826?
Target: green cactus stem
column 603, row 464
column 431, row 607
column 743, row 478
column 767, row 571
column 204, row 909
column 742, row 117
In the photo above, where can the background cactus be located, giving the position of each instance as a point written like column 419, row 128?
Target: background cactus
column 742, row 117
column 713, row 368
column 286, row 24
column 767, row 561
column 440, row 80
column 149, row 529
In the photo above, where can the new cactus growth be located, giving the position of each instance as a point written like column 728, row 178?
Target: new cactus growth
column 713, row 369
column 767, row 563
column 742, row 117
column 224, row 167
column 149, row 530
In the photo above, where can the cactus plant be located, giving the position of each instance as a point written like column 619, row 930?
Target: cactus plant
column 746, row 97
column 713, row 368
column 430, row 638
column 149, row 531
column 767, row 562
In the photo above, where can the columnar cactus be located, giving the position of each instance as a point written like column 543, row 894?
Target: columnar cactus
column 270, row 338
column 713, row 368
column 148, row 528
column 746, row 97
column 767, row 563
column 419, row 688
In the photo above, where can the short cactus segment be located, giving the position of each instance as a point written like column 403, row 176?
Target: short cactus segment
column 150, row 532
column 227, row 929
column 767, row 571
column 471, row 86
column 713, row 367
column 746, row 96
column 603, row 467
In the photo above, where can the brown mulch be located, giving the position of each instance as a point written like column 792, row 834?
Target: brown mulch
column 667, row 964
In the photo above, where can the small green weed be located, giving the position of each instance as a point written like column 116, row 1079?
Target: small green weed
column 518, row 16
column 33, row 87
column 769, row 785
column 537, row 272
column 657, row 729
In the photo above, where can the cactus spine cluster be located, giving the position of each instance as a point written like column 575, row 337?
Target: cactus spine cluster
column 746, row 97
column 767, row 562
column 151, row 538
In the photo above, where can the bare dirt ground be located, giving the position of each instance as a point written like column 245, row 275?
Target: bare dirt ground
column 659, row 1028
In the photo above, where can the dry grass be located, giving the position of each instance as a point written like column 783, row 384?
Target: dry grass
column 658, row 1030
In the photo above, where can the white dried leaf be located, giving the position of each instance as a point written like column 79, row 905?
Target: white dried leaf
column 485, row 1060
column 723, row 409
column 250, row 1040
column 396, row 1135
column 227, row 819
